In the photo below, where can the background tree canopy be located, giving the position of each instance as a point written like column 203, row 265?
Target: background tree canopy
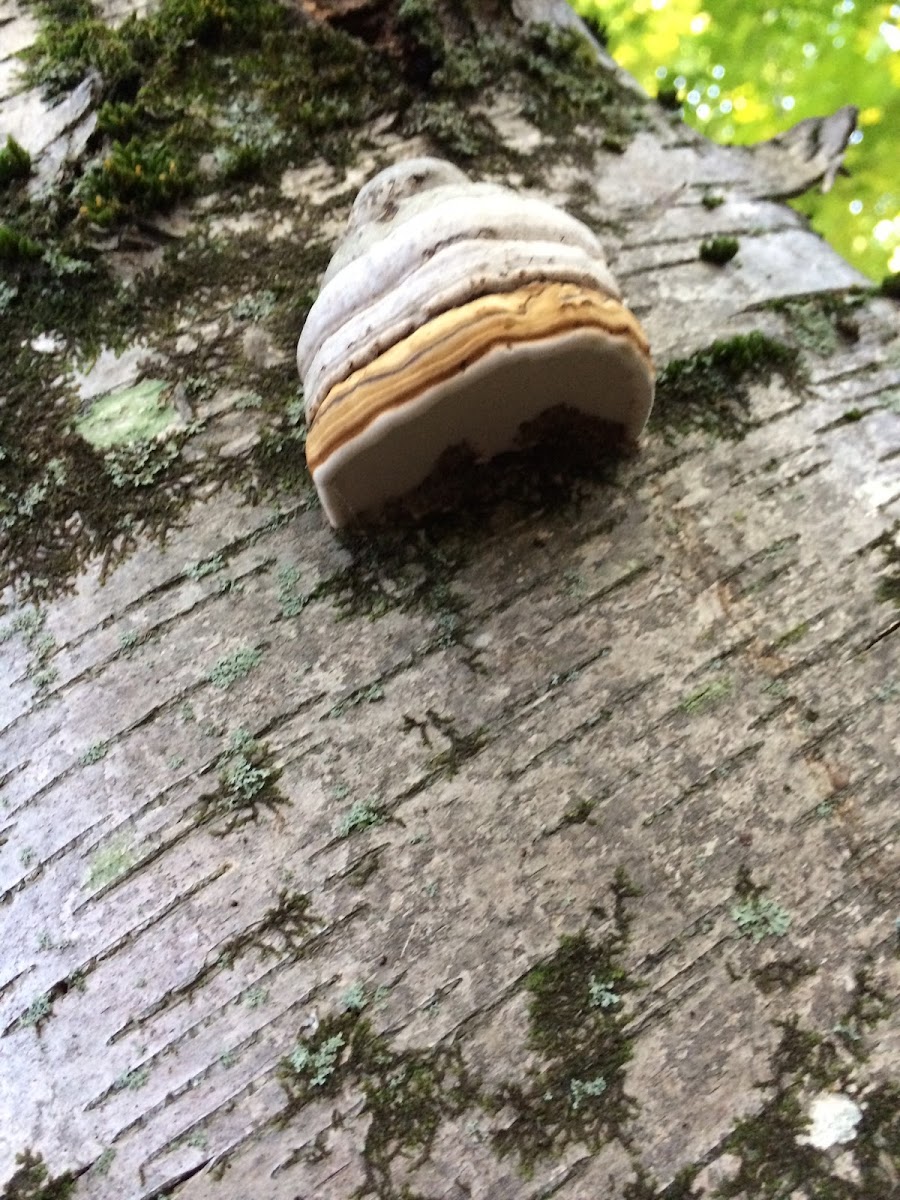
column 745, row 72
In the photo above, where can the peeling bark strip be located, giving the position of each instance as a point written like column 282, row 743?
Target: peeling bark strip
column 544, row 846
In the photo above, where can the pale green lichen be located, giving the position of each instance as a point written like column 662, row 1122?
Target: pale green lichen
column 108, row 864
column 235, row 666
column 760, row 917
column 581, row 1090
column 37, row 1011
column 134, row 414
column 94, row 753
column 317, row 1065
column 602, row 993
column 362, row 815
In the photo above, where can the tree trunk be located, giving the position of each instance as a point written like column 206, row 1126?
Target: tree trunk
column 542, row 847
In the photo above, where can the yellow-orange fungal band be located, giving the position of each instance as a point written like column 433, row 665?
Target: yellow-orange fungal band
column 450, row 342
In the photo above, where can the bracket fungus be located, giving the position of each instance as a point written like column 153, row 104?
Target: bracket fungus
column 454, row 314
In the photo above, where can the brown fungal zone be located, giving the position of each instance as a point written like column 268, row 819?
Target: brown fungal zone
column 454, row 341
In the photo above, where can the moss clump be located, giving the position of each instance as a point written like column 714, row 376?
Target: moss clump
column 32, row 1181
column 15, row 161
column 183, row 80
column 409, row 563
column 392, row 570
column 138, row 177
column 719, row 250
column 61, row 499
column 577, row 1024
column 668, row 98
column 569, row 86
column 248, row 781
column 890, row 285
column 782, row 974
column 888, row 589
column 708, row 392
column 282, row 931
column 820, row 323
column 17, row 247
column 773, row 1164
column 408, row 1093
column 452, row 66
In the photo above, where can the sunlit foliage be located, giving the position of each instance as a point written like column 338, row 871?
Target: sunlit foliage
column 747, row 71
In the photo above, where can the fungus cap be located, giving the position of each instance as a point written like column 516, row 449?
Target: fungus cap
column 453, row 314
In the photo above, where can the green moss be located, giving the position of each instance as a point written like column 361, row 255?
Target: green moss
column 282, row 932
column 61, row 498
column 878, row 1142
column 37, row 1012
column 103, row 1163
column 708, row 392
column 139, row 176
column 719, row 250
column 888, row 587
column 772, row 1164
column 32, row 1181
column 782, row 974
column 41, row 645
column 462, row 747
column 577, row 1027
column 94, row 754
column 132, row 1080
column 795, row 634
column 372, row 693
column 458, row 133
column 890, row 285
column 15, row 161
column 645, row 1187
column 712, row 200
column 569, row 87
column 184, row 79
column 17, row 247
column 667, row 97
column 577, row 812
column 452, row 64
column 407, row 1093
column 577, row 1092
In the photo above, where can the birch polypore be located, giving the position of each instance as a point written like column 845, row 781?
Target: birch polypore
column 453, row 313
